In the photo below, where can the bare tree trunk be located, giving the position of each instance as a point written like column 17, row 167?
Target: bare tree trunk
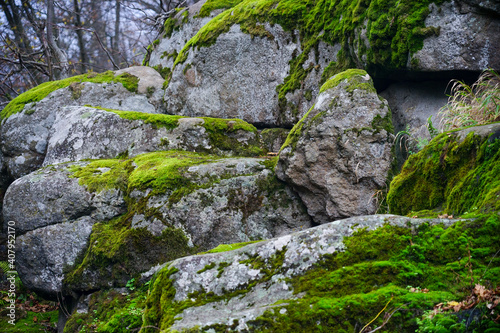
column 79, row 33
column 59, row 56
column 116, row 40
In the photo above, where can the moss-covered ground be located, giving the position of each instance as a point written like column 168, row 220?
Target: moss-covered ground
column 130, row 82
column 111, row 311
column 29, row 321
column 449, row 176
column 403, row 271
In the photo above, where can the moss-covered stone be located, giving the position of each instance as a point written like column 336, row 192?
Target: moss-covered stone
column 130, row 82
column 394, row 30
column 358, row 79
column 450, row 175
column 401, row 271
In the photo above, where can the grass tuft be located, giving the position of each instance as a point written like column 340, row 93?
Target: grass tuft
column 478, row 104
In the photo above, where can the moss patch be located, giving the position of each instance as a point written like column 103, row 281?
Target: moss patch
column 449, row 176
column 38, row 93
column 356, row 80
column 116, row 253
column 228, row 247
column 110, row 311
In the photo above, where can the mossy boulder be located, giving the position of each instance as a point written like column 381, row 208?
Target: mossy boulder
column 28, row 119
column 116, row 218
column 339, row 154
column 456, row 173
column 335, row 277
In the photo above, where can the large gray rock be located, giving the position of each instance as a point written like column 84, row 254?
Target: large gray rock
column 339, row 155
column 252, row 279
column 24, row 135
column 51, row 196
column 86, row 133
column 234, row 78
column 53, row 217
column 466, row 41
column 44, row 253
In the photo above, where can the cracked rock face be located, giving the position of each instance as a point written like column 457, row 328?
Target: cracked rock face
column 254, row 278
column 54, row 217
column 234, row 78
column 467, row 39
column 339, row 154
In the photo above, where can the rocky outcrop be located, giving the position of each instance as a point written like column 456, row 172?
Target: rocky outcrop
column 250, row 288
column 339, row 154
column 78, row 132
column 280, row 56
column 176, row 203
column 54, row 217
column 455, row 174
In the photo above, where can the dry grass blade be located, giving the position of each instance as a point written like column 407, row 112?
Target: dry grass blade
column 477, row 104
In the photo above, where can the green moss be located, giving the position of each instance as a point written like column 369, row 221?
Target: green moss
column 228, row 247
column 157, row 120
column 346, row 290
column 110, row 311
column 356, row 80
column 295, row 132
column 116, row 253
column 211, row 5
column 163, row 171
column 38, row 93
column 220, row 130
column 448, row 175
column 103, row 174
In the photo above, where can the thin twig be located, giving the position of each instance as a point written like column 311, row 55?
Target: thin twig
column 387, row 319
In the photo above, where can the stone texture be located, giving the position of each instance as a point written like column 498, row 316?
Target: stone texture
column 234, row 78
column 51, row 196
column 24, row 135
column 243, row 201
column 339, row 154
column 44, row 253
column 412, row 103
column 186, row 29
column 300, row 252
column 467, row 40
column 87, row 133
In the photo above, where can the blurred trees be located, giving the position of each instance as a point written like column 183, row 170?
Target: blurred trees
column 43, row 40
